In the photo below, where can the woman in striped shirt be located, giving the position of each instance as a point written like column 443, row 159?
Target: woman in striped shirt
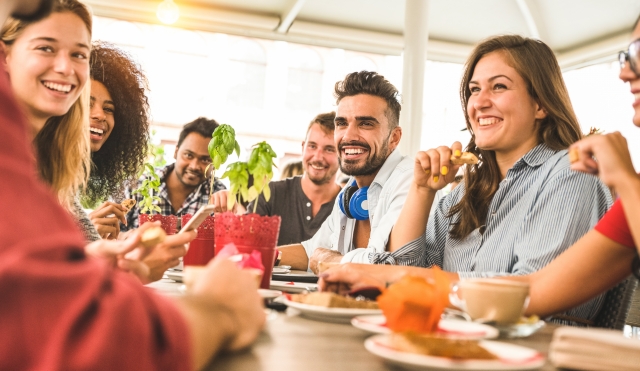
column 521, row 205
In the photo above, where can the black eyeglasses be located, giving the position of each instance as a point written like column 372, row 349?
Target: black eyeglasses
column 632, row 55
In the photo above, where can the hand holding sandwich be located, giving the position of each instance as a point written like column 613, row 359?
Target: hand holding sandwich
column 437, row 167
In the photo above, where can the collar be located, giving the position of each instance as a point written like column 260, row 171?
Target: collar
column 388, row 167
column 537, row 156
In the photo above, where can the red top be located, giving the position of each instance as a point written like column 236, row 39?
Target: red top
column 614, row 225
column 61, row 310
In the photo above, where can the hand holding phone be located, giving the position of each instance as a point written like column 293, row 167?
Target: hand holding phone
column 198, row 218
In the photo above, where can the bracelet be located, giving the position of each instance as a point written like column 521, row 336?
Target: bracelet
column 635, row 266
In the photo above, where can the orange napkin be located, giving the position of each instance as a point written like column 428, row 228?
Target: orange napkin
column 414, row 303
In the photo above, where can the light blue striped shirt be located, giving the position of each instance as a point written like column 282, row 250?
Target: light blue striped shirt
column 540, row 209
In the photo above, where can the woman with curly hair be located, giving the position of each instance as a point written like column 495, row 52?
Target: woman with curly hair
column 119, row 132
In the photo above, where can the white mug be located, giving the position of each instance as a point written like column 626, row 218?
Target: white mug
column 490, row 299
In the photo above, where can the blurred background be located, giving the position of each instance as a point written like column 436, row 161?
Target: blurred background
column 267, row 67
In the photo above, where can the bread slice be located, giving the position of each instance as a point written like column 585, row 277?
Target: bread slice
column 465, row 158
column 574, row 155
column 128, row 204
column 152, row 236
column 331, row 300
column 459, row 349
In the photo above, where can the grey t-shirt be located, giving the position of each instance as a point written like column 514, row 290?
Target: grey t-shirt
column 294, row 207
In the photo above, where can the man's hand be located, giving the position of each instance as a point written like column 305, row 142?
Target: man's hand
column 237, row 292
column 433, row 168
column 345, row 278
column 130, row 255
column 219, row 199
column 606, row 156
column 323, row 255
column 107, row 217
column 164, row 256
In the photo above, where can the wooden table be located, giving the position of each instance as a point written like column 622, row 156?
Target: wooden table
column 293, row 343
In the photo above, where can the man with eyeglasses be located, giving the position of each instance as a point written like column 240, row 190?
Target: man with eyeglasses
column 631, row 55
column 184, row 186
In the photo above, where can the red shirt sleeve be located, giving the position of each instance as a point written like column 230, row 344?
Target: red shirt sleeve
column 614, row 226
column 61, row 310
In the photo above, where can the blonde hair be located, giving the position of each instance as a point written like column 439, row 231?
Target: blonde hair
column 62, row 146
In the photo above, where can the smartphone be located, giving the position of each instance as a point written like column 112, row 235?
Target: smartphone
column 198, row 218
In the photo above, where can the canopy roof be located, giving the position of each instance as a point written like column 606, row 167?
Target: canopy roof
column 581, row 32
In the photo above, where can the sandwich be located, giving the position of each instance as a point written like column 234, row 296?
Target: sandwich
column 128, row 204
column 459, row 349
column 464, row 158
column 152, row 236
column 574, row 155
column 331, row 300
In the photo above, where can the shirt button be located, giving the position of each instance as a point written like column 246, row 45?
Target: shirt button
column 308, row 218
column 308, row 204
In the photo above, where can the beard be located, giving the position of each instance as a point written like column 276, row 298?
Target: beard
column 42, row 11
column 371, row 166
column 320, row 180
column 186, row 171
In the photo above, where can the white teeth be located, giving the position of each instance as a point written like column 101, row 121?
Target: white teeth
column 488, row 121
column 353, row 151
column 97, row 131
column 58, row 87
column 317, row 167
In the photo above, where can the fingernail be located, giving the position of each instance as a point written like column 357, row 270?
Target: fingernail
column 427, row 172
column 444, row 170
column 323, row 275
column 457, row 153
column 435, row 178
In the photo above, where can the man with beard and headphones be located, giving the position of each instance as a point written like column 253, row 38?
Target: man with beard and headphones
column 305, row 201
column 367, row 136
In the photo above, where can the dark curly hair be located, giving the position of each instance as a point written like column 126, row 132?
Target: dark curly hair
column 122, row 156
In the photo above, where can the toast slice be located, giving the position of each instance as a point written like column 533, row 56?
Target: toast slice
column 459, row 349
column 465, row 158
column 331, row 300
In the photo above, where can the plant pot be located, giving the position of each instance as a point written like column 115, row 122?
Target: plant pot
column 168, row 222
column 201, row 249
column 249, row 232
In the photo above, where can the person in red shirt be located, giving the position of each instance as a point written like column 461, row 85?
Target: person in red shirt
column 65, row 310
column 598, row 261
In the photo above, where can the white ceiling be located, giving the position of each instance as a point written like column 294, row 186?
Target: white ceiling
column 580, row 31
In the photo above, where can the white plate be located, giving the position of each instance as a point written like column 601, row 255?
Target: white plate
column 293, row 287
column 280, row 270
column 174, row 275
column 520, row 330
column 511, row 357
column 449, row 327
column 269, row 294
column 342, row 315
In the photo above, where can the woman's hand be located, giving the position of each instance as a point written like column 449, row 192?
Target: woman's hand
column 606, row 156
column 106, row 218
column 433, row 169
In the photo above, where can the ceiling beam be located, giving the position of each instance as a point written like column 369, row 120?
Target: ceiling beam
column 533, row 19
column 290, row 15
column 605, row 50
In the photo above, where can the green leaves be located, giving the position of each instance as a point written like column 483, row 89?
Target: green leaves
column 147, row 189
column 260, row 165
column 222, row 144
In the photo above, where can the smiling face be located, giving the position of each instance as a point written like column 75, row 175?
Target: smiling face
column 627, row 75
column 362, row 134
column 101, row 114
column 48, row 66
column 501, row 112
column 319, row 156
column 192, row 159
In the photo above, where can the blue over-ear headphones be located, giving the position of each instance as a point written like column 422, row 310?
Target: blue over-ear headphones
column 353, row 202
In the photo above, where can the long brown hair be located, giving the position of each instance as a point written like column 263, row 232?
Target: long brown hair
column 62, row 146
column 536, row 64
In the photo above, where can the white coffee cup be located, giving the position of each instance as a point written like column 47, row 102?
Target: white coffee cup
column 491, row 299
